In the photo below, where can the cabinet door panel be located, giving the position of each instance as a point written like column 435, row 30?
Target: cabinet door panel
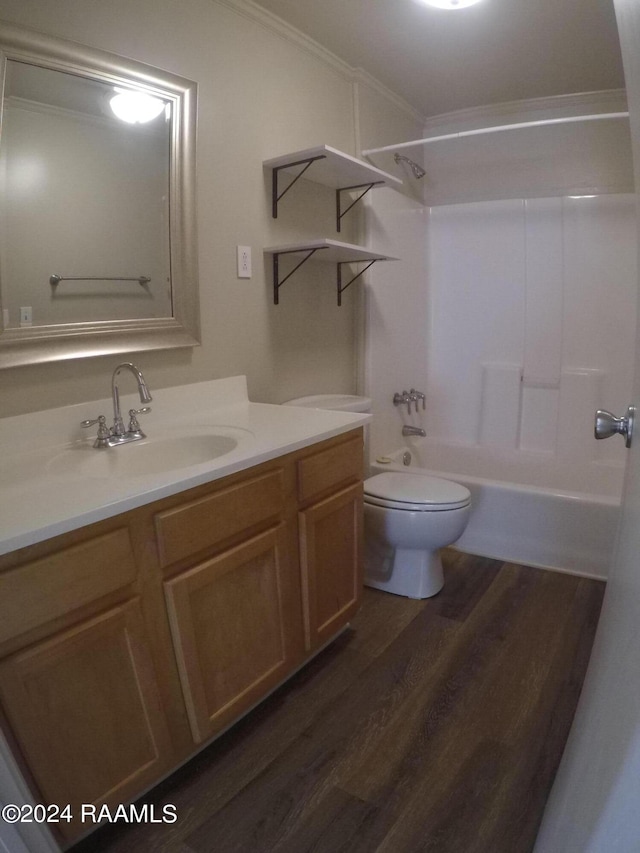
column 331, row 562
column 232, row 619
column 85, row 709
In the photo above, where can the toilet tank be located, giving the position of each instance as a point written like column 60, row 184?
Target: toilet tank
column 336, row 402
column 340, row 403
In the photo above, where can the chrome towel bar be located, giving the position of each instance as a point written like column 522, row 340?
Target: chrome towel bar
column 56, row 279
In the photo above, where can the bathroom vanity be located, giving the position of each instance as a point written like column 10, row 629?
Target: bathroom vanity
column 173, row 601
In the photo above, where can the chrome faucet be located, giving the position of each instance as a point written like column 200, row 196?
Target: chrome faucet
column 118, row 434
column 145, row 397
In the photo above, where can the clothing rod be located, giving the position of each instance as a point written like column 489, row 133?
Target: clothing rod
column 56, row 279
column 497, row 129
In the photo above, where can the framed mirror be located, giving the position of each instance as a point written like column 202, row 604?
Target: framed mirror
column 97, row 203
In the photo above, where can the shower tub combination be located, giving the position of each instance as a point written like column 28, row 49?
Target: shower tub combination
column 550, row 526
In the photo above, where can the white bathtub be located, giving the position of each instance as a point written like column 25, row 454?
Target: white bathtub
column 568, row 531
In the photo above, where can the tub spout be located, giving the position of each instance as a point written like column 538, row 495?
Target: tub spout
column 411, row 430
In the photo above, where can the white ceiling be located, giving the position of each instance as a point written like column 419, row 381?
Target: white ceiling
column 496, row 51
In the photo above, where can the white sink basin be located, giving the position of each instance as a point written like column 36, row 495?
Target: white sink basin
column 140, row 458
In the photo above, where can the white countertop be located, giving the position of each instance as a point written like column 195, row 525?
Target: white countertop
column 41, row 498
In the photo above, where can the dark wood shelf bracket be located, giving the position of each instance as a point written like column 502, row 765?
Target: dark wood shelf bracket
column 275, row 197
column 365, row 187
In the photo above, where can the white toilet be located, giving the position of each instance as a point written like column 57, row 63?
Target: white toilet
column 407, row 519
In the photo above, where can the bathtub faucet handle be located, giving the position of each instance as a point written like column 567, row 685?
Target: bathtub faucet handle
column 418, row 395
column 401, row 399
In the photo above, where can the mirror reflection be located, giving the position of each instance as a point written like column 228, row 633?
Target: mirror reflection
column 85, row 178
column 98, row 247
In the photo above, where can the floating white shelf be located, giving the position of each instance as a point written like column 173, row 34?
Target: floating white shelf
column 332, row 168
column 329, row 167
column 327, row 250
column 332, row 250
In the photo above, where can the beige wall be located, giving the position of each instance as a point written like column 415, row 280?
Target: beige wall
column 263, row 91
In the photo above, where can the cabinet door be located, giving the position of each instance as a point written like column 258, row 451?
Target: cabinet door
column 84, row 707
column 331, row 562
column 235, row 624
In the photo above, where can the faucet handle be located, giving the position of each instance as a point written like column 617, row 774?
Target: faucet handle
column 418, row 395
column 401, row 399
column 134, row 426
column 99, row 420
column 104, row 434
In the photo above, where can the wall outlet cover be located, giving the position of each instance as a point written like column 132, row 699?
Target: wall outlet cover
column 244, row 261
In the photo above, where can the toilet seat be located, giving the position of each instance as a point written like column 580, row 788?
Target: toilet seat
column 415, row 492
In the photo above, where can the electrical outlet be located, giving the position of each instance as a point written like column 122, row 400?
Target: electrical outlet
column 25, row 315
column 244, row 261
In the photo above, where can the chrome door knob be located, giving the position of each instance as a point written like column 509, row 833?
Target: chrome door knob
column 607, row 425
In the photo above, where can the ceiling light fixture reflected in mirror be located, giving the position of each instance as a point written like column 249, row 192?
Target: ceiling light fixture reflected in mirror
column 450, row 4
column 135, row 107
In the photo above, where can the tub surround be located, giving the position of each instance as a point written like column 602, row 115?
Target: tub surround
column 511, row 397
column 528, row 379
column 40, row 499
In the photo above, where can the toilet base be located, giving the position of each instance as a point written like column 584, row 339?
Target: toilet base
column 408, row 572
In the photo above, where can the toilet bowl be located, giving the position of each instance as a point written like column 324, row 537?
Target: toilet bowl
column 407, row 519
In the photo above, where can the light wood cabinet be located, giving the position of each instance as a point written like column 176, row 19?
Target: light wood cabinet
column 61, row 582
column 330, row 527
column 127, row 645
column 85, row 708
column 191, row 528
column 235, row 626
column 331, row 563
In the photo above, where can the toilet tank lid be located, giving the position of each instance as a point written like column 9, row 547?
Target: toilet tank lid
column 336, row 402
column 416, row 489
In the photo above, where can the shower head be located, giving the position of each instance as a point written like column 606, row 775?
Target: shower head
column 418, row 171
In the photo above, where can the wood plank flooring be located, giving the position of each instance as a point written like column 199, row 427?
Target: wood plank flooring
column 433, row 725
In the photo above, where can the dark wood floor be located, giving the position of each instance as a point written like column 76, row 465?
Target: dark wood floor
column 431, row 726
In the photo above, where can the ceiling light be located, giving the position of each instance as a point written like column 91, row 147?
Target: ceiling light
column 450, row 4
column 135, row 107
